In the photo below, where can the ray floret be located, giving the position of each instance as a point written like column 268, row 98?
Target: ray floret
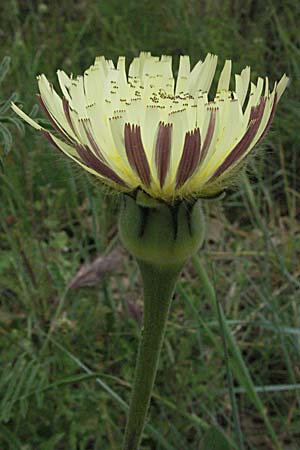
column 145, row 130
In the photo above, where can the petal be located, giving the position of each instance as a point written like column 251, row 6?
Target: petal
column 209, row 133
column 183, row 74
column 202, row 75
column 242, row 84
column 52, row 121
column 25, row 117
column 224, row 79
column 281, row 87
column 53, row 107
column 179, row 121
column 243, row 145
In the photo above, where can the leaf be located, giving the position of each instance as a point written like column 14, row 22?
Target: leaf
column 7, row 138
column 10, row 438
column 5, row 105
column 215, row 439
column 17, row 381
column 51, row 444
column 4, row 67
column 5, row 260
column 13, row 120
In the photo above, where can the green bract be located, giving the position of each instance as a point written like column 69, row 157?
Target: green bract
column 161, row 234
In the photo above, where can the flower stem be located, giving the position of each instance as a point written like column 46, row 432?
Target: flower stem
column 158, row 286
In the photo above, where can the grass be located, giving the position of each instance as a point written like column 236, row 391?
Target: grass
column 67, row 356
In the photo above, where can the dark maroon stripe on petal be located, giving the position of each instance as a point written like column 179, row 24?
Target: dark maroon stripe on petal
column 87, row 128
column 209, row 134
column 190, row 157
column 163, row 151
column 66, row 107
column 89, row 160
column 136, row 153
column 94, row 163
column 143, row 161
column 270, row 119
column 241, row 147
column 49, row 138
column 53, row 123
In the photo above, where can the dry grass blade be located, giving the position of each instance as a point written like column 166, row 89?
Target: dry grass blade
column 92, row 273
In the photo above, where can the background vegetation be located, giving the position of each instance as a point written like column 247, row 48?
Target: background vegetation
column 67, row 355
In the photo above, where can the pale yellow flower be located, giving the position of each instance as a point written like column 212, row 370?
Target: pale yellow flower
column 147, row 131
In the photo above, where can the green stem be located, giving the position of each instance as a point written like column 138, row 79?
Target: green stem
column 158, row 286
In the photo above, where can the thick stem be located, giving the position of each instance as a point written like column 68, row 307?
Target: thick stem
column 158, row 287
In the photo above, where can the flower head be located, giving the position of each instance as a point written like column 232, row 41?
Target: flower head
column 147, row 131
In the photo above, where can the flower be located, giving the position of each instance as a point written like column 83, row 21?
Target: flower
column 145, row 131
